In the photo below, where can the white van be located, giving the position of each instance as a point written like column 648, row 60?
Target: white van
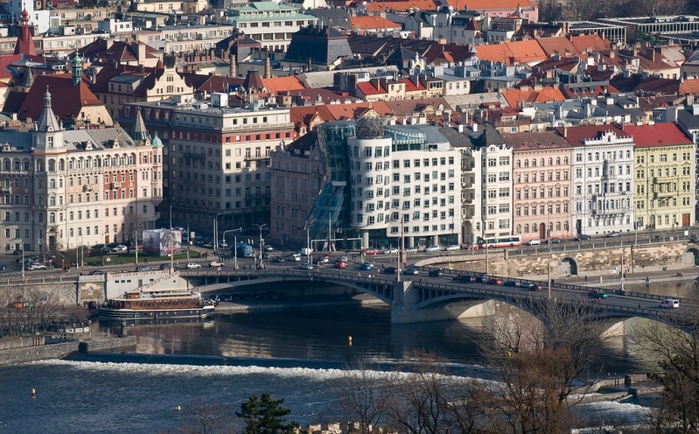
column 670, row 303
column 534, row 242
column 306, row 251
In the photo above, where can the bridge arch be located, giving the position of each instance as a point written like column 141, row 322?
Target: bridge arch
column 568, row 266
column 692, row 255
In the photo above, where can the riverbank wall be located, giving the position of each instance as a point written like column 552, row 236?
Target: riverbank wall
column 32, row 353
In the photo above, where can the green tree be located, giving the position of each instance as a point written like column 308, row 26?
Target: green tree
column 264, row 415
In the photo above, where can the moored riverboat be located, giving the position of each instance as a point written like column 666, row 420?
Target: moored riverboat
column 157, row 305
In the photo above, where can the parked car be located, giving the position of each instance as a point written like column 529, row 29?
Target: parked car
column 453, row 247
column 193, row 265
column 670, row 303
column 494, row 281
column 213, row 264
column 597, row 294
column 432, row 249
column 554, row 240
column 534, row 242
column 412, row 271
column 436, row 272
column 582, row 237
column 143, row 268
column 371, row 251
column 390, row 251
column 614, row 234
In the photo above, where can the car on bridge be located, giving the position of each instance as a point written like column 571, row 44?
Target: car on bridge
column 614, row 234
column 389, row 270
column 529, row 286
column 371, row 252
column 431, row 249
column 306, row 266
column 192, row 265
column 391, row 251
column 670, row 303
column 582, row 237
column 534, row 242
column 554, row 240
column 411, row 271
column 512, row 283
column 465, row 278
column 213, row 264
column 436, row 272
column 597, row 294
column 340, row 265
column 494, row 281
column 366, row 266
column 453, row 247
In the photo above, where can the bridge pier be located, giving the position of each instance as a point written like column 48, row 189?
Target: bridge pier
column 405, row 298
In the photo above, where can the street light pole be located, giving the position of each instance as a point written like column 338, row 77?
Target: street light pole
column 216, row 232
column 170, row 216
column 260, row 227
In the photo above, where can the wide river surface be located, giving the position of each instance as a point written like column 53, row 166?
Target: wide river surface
column 295, row 354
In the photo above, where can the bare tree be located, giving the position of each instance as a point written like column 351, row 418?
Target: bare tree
column 540, row 366
column 654, row 8
column 364, row 396
column 676, row 348
column 204, row 417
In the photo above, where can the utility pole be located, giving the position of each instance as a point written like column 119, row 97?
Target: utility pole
column 135, row 235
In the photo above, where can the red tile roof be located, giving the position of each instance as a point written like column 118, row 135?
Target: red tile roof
column 535, row 94
column 373, row 22
column 368, row 88
column 278, row 84
column 590, row 43
column 67, row 100
column 576, row 135
column 659, row 134
column 403, row 5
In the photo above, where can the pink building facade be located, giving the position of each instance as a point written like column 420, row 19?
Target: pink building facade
column 542, row 185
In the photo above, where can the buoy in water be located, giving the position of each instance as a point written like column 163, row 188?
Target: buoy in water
column 349, row 339
column 179, row 408
column 33, row 393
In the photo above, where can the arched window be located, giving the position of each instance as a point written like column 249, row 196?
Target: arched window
column 542, row 162
column 61, row 165
column 6, row 165
column 519, row 229
column 52, row 183
column 550, row 161
column 526, row 229
column 52, row 166
column 558, row 161
column 17, row 166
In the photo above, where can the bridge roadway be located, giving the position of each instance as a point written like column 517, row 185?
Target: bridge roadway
column 414, row 294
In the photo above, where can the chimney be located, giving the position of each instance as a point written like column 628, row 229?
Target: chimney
column 565, row 132
column 268, row 67
column 310, row 63
column 232, row 66
column 141, row 53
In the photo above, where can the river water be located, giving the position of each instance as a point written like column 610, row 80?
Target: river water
column 296, row 355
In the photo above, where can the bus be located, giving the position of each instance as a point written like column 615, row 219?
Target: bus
column 499, row 242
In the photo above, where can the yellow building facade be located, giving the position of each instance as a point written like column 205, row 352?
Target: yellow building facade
column 664, row 176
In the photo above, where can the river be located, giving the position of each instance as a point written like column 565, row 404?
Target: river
column 296, row 355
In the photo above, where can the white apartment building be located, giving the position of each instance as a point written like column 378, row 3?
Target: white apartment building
column 493, row 175
column 405, row 183
column 270, row 23
column 219, row 161
column 603, row 171
column 63, row 189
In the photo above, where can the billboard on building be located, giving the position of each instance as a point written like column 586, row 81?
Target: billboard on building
column 162, row 241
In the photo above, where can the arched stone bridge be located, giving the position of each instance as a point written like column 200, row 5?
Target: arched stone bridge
column 416, row 299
